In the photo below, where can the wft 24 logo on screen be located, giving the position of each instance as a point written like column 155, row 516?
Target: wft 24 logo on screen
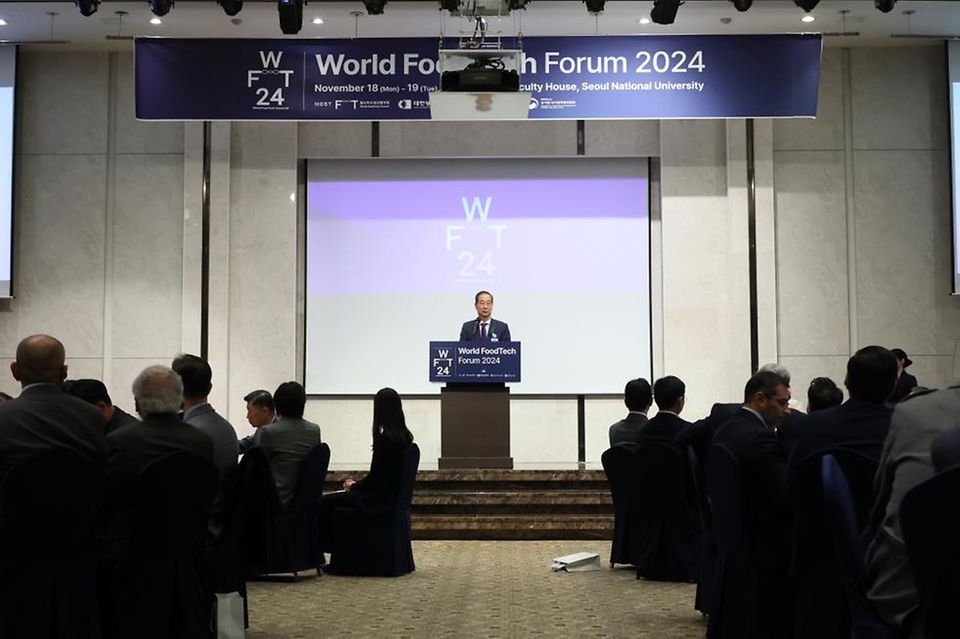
column 270, row 83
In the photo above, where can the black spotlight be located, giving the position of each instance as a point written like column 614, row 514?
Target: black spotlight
column 450, row 5
column 665, row 11
column 742, row 5
column 516, row 5
column 595, row 6
column 231, row 7
column 806, row 5
column 884, row 5
column 160, row 8
column 291, row 16
column 374, row 7
column 87, row 7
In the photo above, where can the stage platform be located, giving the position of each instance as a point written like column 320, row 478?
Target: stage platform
column 507, row 504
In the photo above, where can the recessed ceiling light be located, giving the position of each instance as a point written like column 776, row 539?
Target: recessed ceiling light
column 3, row 22
column 807, row 19
column 318, row 20
column 156, row 20
column 644, row 20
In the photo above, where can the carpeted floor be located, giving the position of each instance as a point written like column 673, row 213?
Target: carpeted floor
column 478, row 589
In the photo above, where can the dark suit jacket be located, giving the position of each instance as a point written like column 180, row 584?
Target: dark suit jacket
column 699, row 434
column 43, row 418
column 378, row 490
column 120, row 419
column 285, row 442
column 471, row 330
column 905, row 383
column 768, row 515
column 663, row 428
column 856, row 424
column 225, row 452
column 626, row 431
column 129, row 451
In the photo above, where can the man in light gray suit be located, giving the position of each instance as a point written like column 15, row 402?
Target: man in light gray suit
column 197, row 377
column 286, row 441
column 904, row 463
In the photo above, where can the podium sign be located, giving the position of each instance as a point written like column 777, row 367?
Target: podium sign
column 475, row 362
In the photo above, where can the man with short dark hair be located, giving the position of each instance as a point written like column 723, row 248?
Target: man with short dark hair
column 905, row 381
column 260, row 412
column 822, row 393
column 44, row 418
column 767, row 513
column 670, row 394
column 94, row 392
column 637, row 396
column 862, row 422
column 286, row 441
column 197, row 382
column 484, row 328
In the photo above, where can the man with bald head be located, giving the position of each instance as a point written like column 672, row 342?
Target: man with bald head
column 44, row 418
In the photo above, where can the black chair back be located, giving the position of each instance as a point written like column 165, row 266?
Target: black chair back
column 159, row 591
column 48, row 547
column 736, row 611
column 707, row 578
column 301, row 516
column 930, row 521
column 841, row 517
column 666, row 534
column 620, row 466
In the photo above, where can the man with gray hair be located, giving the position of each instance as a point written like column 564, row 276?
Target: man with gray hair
column 158, row 394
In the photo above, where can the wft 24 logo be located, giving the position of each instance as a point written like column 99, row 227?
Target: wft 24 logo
column 269, row 83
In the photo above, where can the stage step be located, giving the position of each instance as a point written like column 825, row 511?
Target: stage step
column 507, row 504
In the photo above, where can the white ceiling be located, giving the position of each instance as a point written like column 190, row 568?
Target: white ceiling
column 29, row 20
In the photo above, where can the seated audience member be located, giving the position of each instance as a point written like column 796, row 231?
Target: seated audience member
column 286, row 441
column 905, row 381
column 749, row 435
column 862, row 422
column 377, row 492
column 904, row 463
column 823, row 393
column 4, row 397
column 670, row 394
column 94, row 392
column 197, row 382
column 638, row 396
column 260, row 412
column 158, row 394
column 43, row 417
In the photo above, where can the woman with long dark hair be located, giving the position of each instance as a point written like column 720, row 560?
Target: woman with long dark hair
column 377, row 492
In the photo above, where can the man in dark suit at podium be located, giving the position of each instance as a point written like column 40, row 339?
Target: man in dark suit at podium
column 484, row 328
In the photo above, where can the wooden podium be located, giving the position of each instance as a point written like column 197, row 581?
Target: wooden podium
column 475, row 403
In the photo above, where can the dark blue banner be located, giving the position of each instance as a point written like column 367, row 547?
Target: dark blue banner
column 569, row 77
column 475, row 361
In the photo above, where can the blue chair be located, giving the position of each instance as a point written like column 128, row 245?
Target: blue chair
column 158, row 591
column 48, row 547
column 620, row 464
column 821, row 607
column 282, row 541
column 930, row 521
column 736, row 610
column 707, row 580
column 370, row 544
column 666, row 533
column 841, row 518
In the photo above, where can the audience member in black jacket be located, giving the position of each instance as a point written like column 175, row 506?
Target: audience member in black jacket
column 377, row 492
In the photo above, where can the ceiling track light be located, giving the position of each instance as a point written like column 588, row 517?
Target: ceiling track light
column 160, row 8
column 665, row 11
column 374, row 7
column 742, row 5
column 231, row 7
column 516, row 5
column 87, row 7
column 885, row 5
column 806, row 5
column 290, row 13
column 450, row 5
column 595, row 6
